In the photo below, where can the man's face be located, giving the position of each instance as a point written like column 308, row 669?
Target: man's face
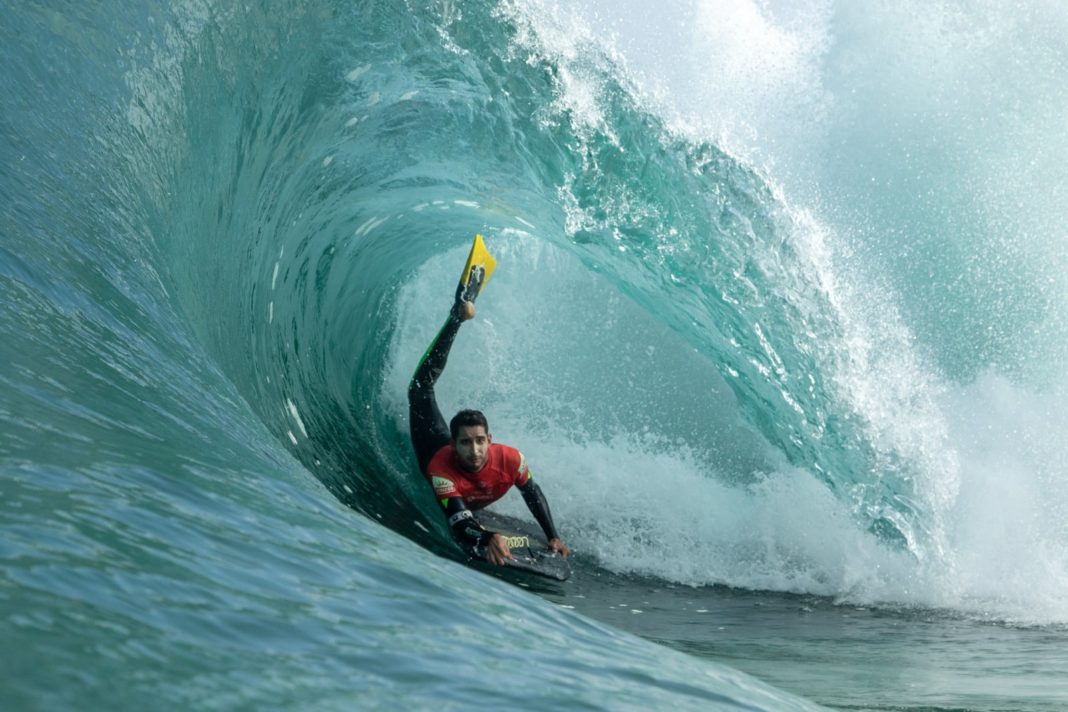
column 472, row 446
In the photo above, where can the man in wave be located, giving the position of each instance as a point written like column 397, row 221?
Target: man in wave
column 467, row 470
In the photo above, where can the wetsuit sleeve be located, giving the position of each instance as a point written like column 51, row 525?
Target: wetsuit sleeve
column 428, row 430
column 538, row 506
column 464, row 526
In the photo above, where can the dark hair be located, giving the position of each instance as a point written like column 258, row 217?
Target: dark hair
column 466, row 418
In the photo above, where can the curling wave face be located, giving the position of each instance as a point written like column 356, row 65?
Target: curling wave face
column 323, row 197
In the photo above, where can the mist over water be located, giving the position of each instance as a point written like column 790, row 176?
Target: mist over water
column 928, row 135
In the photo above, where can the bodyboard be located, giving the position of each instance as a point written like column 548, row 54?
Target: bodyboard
column 480, row 265
column 529, row 547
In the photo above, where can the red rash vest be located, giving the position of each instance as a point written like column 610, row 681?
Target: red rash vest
column 505, row 466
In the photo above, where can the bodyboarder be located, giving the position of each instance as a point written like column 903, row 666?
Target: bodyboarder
column 466, row 469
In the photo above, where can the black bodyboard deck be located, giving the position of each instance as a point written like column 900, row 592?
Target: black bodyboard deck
column 530, row 549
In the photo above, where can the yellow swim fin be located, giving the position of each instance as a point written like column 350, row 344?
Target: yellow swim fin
column 477, row 271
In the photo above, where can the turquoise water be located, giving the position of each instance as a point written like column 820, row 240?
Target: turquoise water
column 779, row 323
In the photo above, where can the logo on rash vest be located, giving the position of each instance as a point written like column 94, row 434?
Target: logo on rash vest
column 442, row 485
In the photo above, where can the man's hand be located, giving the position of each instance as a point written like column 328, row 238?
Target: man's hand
column 559, row 547
column 498, row 551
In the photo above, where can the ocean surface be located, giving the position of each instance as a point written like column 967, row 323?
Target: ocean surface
column 780, row 322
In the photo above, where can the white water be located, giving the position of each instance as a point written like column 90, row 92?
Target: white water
column 849, row 115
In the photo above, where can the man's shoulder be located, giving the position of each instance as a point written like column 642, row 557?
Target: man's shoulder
column 441, row 474
column 441, row 465
column 506, row 450
column 512, row 462
column 442, row 458
column 508, row 457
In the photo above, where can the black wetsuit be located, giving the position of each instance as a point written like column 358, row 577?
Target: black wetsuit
column 430, row 434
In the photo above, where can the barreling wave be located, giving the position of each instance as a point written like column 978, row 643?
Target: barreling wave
column 317, row 171
column 284, row 201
